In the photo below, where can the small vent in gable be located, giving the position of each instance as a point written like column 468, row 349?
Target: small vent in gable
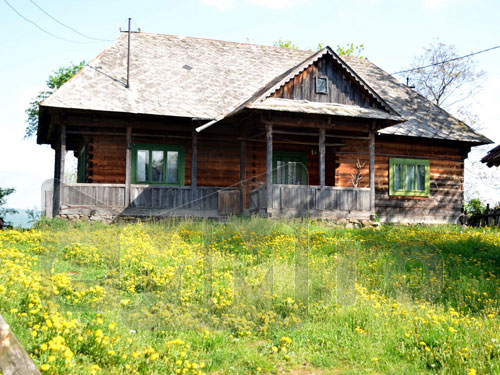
column 321, row 85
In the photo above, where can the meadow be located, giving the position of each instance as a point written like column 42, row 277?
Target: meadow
column 253, row 297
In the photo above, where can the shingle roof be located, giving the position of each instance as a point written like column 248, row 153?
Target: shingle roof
column 424, row 118
column 492, row 158
column 205, row 79
column 332, row 109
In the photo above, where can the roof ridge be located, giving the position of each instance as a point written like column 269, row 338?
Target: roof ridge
column 228, row 42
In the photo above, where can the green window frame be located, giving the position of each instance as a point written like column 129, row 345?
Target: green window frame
column 290, row 165
column 155, row 171
column 409, row 177
column 82, row 164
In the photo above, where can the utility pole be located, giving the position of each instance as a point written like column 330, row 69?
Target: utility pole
column 129, row 31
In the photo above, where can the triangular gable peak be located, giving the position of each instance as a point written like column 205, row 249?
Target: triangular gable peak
column 325, row 77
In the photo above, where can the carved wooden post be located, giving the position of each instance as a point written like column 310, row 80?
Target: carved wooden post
column 243, row 173
column 194, row 159
column 322, row 167
column 59, row 172
column 14, row 360
column 372, row 169
column 128, row 165
column 269, row 164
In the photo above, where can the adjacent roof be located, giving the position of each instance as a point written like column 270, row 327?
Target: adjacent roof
column 424, row 118
column 492, row 158
column 207, row 79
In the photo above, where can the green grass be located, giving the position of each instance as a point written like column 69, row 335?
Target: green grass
column 253, row 296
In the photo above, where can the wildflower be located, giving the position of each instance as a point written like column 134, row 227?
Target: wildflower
column 45, row 367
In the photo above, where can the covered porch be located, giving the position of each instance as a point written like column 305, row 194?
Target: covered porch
column 265, row 148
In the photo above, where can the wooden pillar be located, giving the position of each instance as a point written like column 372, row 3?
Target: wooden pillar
column 269, row 164
column 372, row 169
column 59, row 172
column 243, row 173
column 194, row 159
column 128, row 165
column 322, row 168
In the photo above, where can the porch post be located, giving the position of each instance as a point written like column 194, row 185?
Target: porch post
column 269, row 164
column 194, row 159
column 128, row 165
column 372, row 169
column 322, row 157
column 59, row 172
column 243, row 173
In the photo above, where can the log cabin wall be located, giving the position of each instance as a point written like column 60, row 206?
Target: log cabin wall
column 446, row 177
column 341, row 88
column 105, row 160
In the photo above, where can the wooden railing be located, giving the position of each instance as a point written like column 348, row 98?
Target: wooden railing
column 302, row 200
column 104, row 195
column 76, row 198
column 14, row 360
column 488, row 218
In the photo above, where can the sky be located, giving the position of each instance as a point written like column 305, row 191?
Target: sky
column 392, row 31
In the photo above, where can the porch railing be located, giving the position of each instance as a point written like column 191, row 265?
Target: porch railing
column 303, row 199
column 226, row 201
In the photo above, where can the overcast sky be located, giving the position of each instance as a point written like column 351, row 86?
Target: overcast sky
column 393, row 32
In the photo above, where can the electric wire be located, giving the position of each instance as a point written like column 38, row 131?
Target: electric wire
column 41, row 28
column 445, row 61
column 67, row 26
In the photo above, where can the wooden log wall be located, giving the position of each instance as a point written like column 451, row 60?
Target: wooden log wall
column 341, row 88
column 446, row 177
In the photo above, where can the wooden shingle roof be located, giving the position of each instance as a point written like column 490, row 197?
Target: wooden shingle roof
column 206, row 79
column 492, row 158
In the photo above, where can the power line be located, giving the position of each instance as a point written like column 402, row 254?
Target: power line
column 40, row 28
column 445, row 61
column 67, row 26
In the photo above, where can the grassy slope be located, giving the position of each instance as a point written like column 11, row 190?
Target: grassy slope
column 253, row 297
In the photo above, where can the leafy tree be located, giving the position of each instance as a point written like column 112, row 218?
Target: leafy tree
column 474, row 207
column 449, row 79
column 285, row 44
column 348, row 50
column 55, row 80
column 351, row 50
column 4, row 192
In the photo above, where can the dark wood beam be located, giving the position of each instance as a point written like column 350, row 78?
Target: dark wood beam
column 322, row 157
column 128, row 165
column 194, row 158
column 269, row 165
column 371, row 150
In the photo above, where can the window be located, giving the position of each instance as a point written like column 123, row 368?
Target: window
column 289, row 168
column 321, row 85
column 409, row 177
column 157, row 164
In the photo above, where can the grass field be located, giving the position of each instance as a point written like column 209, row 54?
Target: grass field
column 253, row 297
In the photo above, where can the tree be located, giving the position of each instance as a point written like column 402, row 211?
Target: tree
column 348, row 50
column 4, row 192
column 449, row 79
column 351, row 50
column 55, row 80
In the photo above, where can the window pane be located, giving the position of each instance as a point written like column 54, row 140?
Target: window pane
column 398, row 176
column 280, row 172
column 142, row 165
column 172, row 167
column 292, row 173
column 410, row 177
column 157, row 166
column 420, row 178
column 321, row 85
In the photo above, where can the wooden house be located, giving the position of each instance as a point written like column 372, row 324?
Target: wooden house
column 211, row 128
